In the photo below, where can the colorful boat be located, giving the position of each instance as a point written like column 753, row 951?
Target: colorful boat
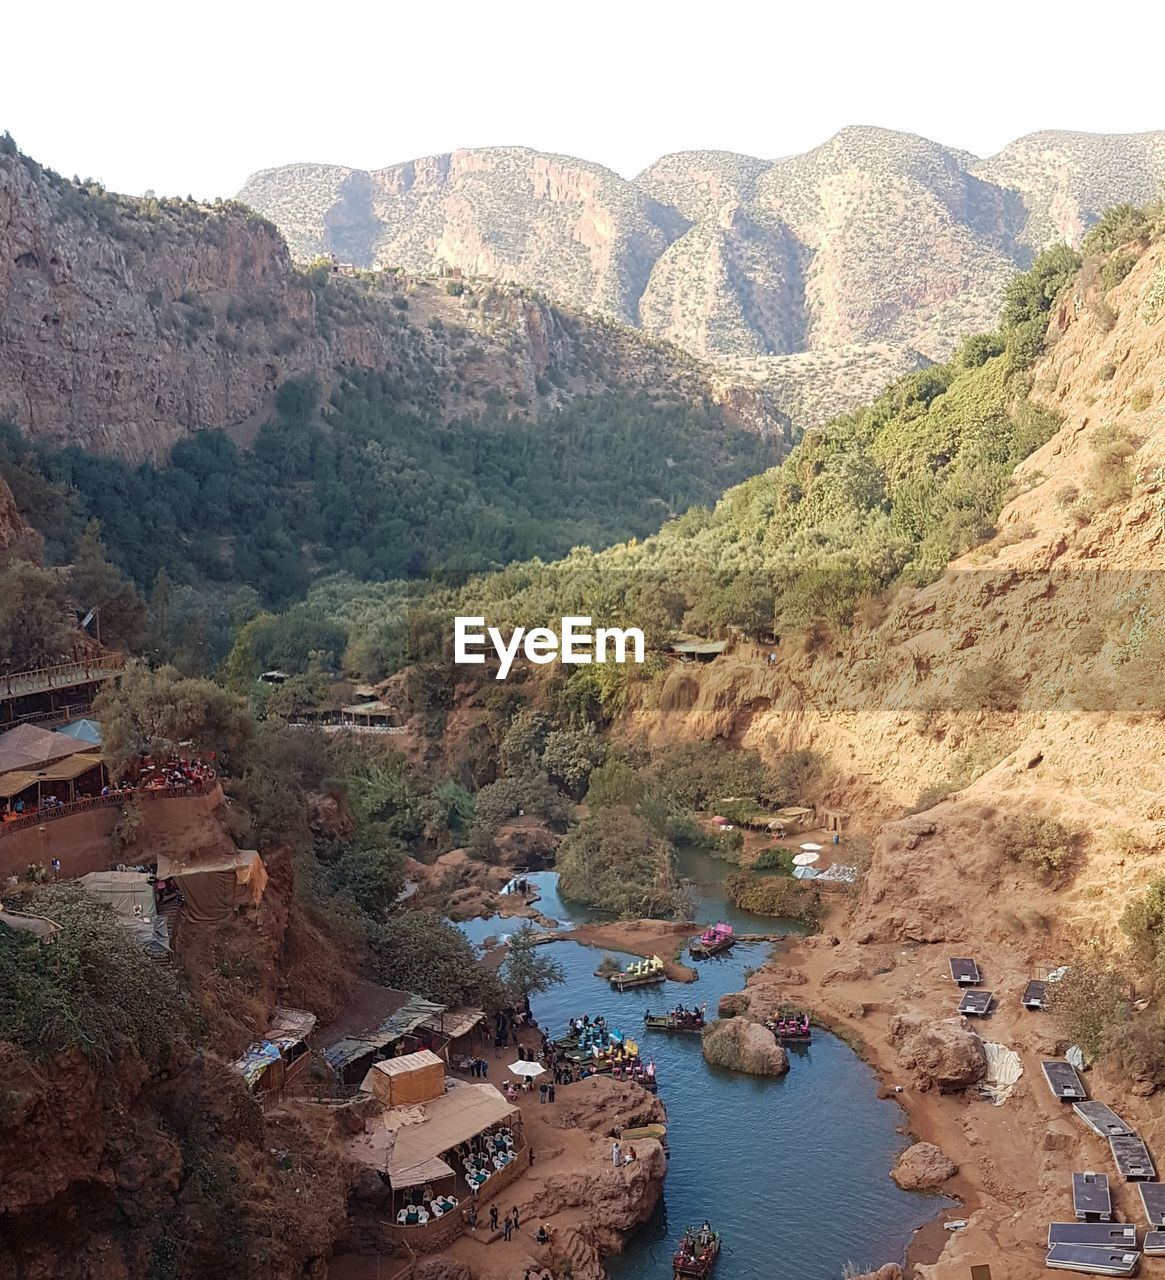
column 640, row 974
column 696, row 1255
column 691, row 1020
column 791, row 1026
column 715, row 939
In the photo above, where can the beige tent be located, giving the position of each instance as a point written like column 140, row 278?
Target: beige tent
column 406, row 1081
column 124, row 891
column 214, row 887
column 427, row 1171
column 459, row 1115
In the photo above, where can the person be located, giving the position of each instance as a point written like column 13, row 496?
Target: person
column 56, row 864
column 630, row 1155
column 705, row 1234
column 543, row 1236
column 493, row 1217
column 550, row 1092
column 471, row 1217
column 484, row 1068
column 616, row 1151
column 531, row 1152
column 517, row 1219
column 507, row 1228
column 542, row 1088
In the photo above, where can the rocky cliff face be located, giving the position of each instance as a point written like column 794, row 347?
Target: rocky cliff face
column 127, row 324
column 873, row 237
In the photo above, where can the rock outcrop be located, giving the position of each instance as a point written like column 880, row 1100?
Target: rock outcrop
column 127, row 324
column 741, row 1045
column 923, row 1167
column 946, row 1056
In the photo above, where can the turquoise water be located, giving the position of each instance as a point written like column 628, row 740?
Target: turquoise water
column 792, row 1172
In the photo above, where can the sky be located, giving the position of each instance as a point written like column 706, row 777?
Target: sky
column 190, row 99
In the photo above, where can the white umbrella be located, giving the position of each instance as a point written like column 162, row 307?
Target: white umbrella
column 530, row 1069
column 805, row 859
column 810, row 847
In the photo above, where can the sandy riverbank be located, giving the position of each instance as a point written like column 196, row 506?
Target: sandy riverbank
column 1014, row 1160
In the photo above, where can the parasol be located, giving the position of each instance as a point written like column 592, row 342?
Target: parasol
column 530, row 1069
column 806, row 859
column 810, row 847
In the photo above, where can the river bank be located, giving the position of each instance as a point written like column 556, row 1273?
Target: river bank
column 1014, row 1160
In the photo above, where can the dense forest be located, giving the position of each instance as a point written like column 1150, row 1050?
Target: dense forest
column 365, row 486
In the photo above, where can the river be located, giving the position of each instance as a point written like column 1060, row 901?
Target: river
column 793, row 1172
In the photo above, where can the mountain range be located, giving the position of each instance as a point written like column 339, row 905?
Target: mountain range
column 874, row 237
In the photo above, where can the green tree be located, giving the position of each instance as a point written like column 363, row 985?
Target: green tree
column 615, row 860
column 372, row 874
column 528, row 969
column 94, row 583
column 155, row 711
column 35, row 629
column 418, row 951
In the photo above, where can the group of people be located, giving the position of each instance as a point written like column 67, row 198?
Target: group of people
column 477, row 1067
column 176, row 772
column 508, row 1225
column 695, row 1245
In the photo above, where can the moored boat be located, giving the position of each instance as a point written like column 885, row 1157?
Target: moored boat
column 640, row 974
column 715, row 939
column 791, row 1026
column 697, row 1253
column 679, row 1019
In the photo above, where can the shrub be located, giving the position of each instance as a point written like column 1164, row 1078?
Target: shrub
column 776, row 896
column 1106, row 372
column 1042, row 845
column 988, row 688
column 93, row 989
column 1109, row 475
column 1089, row 1001
column 1141, row 399
column 1143, row 923
column 420, row 952
column 1116, row 268
column 1139, row 1045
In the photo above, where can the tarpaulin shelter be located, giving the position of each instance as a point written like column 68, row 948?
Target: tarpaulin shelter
column 129, row 893
column 214, row 887
column 283, row 1047
column 68, row 769
column 88, row 731
column 39, row 926
column 455, row 1117
column 378, row 1019
column 407, row 1080
column 454, row 1023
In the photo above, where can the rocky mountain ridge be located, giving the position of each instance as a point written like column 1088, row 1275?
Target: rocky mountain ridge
column 127, row 324
column 872, row 237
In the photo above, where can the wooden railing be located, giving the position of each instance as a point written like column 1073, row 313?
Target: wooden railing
column 15, row 684
column 21, row 822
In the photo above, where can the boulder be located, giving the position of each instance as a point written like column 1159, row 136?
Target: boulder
column 741, row 1045
column 923, row 1167
column 946, row 1055
column 440, row 1269
column 891, row 1271
column 732, row 1004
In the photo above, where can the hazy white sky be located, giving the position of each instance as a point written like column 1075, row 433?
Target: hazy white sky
column 192, row 98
